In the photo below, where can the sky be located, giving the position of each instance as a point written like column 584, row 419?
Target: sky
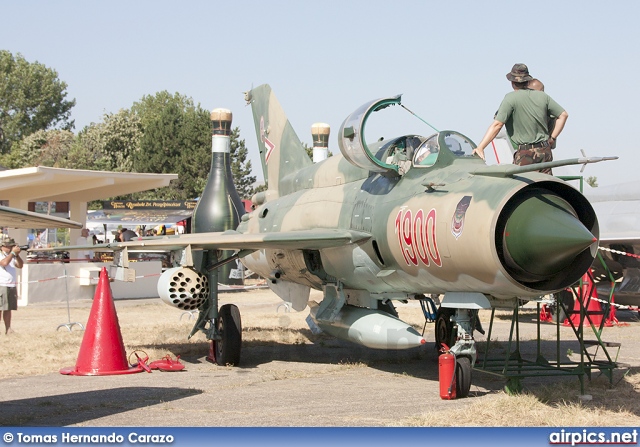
column 324, row 59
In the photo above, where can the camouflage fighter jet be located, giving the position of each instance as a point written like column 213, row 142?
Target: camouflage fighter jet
column 398, row 219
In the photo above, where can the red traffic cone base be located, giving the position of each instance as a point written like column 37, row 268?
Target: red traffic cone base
column 593, row 307
column 102, row 350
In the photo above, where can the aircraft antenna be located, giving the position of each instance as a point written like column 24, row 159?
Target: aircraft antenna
column 401, row 105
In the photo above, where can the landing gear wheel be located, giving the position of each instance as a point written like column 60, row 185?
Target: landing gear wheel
column 566, row 298
column 227, row 349
column 463, row 376
column 444, row 328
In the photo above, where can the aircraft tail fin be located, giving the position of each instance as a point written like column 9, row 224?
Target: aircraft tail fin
column 281, row 151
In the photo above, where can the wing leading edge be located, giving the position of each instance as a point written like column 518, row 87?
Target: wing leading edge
column 232, row 240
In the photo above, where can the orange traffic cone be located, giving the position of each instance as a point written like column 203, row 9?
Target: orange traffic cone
column 593, row 307
column 102, row 350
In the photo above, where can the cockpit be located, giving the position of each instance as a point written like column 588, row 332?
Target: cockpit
column 402, row 153
column 427, row 154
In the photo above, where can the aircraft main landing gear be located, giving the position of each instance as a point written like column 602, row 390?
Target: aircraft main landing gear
column 225, row 325
column 444, row 331
column 463, row 376
column 229, row 327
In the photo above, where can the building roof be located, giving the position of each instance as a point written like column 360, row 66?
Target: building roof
column 15, row 218
column 44, row 184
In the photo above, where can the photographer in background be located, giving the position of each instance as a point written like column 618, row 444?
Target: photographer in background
column 9, row 261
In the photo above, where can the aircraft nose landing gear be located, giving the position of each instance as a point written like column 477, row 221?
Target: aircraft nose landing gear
column 454, row 327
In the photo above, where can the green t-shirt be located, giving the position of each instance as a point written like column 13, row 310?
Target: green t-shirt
column 526, row 114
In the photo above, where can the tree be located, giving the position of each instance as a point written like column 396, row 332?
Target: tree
column 309, row 151
column 42, row 148
column 592, row 181
column 110, row 145
column 32, row 98
column 241, row 167
column 176, row 138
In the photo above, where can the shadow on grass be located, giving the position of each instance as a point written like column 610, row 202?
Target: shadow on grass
column 263, row 345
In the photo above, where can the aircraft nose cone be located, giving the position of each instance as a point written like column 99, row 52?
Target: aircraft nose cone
column 543, row 236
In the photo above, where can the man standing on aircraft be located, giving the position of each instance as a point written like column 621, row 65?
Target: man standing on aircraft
column 526, row 113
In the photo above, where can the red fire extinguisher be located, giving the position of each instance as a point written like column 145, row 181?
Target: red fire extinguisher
column 447, row 373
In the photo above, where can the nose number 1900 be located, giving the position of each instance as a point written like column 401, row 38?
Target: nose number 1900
column 417, row 237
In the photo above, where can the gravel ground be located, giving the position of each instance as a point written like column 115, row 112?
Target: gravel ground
column 326, row 383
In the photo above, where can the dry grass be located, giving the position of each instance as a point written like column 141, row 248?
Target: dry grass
column 556, row 405
column 38, row 348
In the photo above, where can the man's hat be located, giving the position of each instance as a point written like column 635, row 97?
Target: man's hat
column 519, row 73
column 7, row 241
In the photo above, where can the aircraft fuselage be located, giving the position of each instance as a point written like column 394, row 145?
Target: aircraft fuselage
column 424, row 239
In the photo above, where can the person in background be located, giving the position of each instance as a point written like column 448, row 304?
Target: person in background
column 127, row 235
column 83, row 240
column 536, row 84
column 10, row 260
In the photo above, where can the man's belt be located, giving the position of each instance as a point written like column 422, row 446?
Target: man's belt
column 522, row 147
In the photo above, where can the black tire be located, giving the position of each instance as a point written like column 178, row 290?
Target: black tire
column 565, row 297
column 444, row 328
column 230, row 329
column 463, row 376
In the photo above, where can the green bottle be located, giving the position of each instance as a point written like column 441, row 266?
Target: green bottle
column 220, row 207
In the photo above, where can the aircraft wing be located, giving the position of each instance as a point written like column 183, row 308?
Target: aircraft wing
column 232, row 240
column 618, row 210
column 15, row 218
column 619, row 221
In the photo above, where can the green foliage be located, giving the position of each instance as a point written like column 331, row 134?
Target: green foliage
column 240, row 166
column 309, row 150
column 175, row 139
column 592, row 181
column 110, row 145
column 42, row 148
column 161, row 133
column 32, row 98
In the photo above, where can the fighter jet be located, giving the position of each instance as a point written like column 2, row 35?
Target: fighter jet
column 386, row 221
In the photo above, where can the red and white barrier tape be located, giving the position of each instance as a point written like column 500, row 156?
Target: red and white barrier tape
column 70, row 276
column 620, row 252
